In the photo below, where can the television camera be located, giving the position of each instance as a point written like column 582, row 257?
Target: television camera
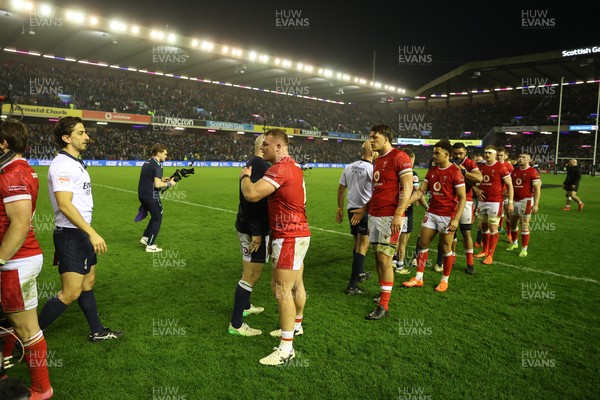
column 179, row 174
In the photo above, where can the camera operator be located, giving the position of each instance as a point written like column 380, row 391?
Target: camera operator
column 149, row 187
column 21, row 257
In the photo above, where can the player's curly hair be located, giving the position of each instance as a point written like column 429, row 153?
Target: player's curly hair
column 384, row 130
column 445, row 145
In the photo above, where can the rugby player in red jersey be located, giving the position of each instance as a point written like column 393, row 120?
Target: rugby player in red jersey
column 472, row 176
column 283, row 183
column 21, row 256
column 489, row 193
column 392, row 188
column 446, row 184
column 527, row 186
column 504, row 159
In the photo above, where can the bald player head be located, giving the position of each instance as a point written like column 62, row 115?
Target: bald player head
column 367, row 151
column 258, row 145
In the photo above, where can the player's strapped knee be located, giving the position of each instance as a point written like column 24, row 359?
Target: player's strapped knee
column 385, row 248
column 494, row 220
column 465, row 227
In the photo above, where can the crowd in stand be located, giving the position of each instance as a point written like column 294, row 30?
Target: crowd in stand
column 93, row 88
column 36, row 82
column 116, row 142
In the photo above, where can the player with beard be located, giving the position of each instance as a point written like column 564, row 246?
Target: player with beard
column 472, row 175
column 489, row 193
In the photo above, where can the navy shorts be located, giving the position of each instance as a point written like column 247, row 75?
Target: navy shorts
column 73, row 251
column 260, row 256
column 362, row 228
column 409, row 224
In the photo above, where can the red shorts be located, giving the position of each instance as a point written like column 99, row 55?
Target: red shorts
column 289, row 253
column 18, row 287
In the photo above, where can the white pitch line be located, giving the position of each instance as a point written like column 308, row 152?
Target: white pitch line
column 575, row 278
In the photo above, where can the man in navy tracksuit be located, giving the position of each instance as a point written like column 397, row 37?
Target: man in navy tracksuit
column 149, row 187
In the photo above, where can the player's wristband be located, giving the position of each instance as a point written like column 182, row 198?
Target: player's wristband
column 2, row 262
column 244, row 176
column 510, row 202
column 340, row 209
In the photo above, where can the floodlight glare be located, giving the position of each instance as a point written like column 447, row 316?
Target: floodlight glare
column 45, row 10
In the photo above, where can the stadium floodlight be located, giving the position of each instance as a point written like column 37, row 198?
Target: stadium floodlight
column 264, row 58
column 346, row 77
column 208, row 46
column 93, row 20
column 308, row 68
column 118, row 26
column 75, row 16
column 172, row 38
column 194, row 43
column 225, row 49
column 22, row 5
column 157, row 34
column 135, row 29
column 328, row 73
column 45, row 10
column 277, row 61
column 362, row 81
column 252, row 55
column 299, row 66
column 286, row 63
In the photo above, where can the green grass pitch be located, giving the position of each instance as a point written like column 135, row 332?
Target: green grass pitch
column 523, row 328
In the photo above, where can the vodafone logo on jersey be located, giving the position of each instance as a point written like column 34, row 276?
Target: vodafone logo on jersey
column 486, row 178
column 376, row 176
column 519, row 181
column 437, row 186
